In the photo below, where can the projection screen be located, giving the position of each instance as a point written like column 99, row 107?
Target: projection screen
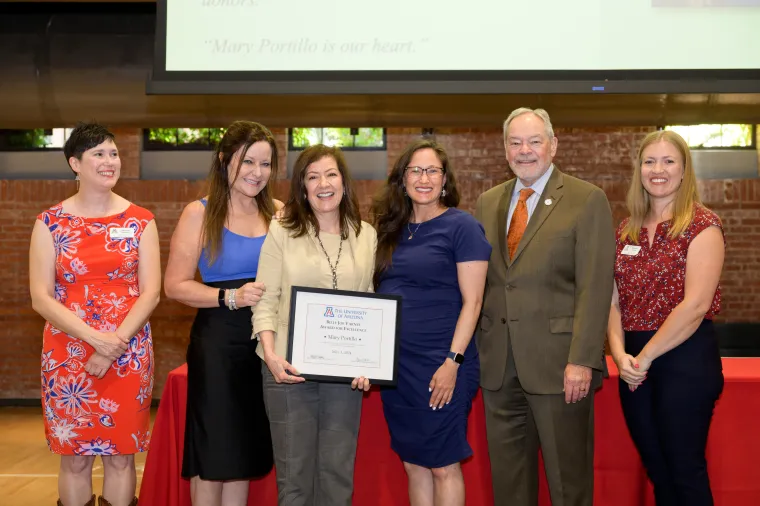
column 447, row 46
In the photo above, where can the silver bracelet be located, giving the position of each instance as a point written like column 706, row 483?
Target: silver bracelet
column 232, row 299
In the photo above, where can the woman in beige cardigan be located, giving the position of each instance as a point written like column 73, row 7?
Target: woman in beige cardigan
column 321, row 242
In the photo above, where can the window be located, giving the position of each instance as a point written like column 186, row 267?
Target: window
column 172, row 139
column 730, row 136
column 34, row 140
column 346, row 138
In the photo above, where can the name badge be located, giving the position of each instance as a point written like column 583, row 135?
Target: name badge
column 121, row 233
column 631, row 250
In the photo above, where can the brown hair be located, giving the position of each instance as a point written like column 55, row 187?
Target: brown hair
column 297, row 213
column 687, row 194
column 240, row 134
column 392, row 208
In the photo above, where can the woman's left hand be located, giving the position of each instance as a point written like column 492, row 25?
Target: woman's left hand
column 443, row 383
column 361, row 383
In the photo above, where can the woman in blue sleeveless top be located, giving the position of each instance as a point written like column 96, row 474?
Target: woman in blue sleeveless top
column 227, row 438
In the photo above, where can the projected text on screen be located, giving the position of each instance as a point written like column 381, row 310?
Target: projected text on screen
column 399, row 35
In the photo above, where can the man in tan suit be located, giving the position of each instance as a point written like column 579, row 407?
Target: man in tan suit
column 545, row 310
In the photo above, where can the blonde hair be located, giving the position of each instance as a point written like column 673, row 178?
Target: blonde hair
column 687, row 195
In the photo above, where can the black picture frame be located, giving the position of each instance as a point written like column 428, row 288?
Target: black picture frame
column 294, row 293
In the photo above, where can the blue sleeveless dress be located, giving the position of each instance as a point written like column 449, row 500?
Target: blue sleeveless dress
column 226, row 428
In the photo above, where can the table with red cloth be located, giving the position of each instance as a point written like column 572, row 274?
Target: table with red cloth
column 733, row 451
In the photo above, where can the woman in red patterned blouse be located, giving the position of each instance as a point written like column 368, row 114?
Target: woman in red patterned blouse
column 669, row 260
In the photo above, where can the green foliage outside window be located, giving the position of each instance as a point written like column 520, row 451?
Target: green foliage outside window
column 347, row 138
column 716, row 136
column 300, row 137
column 169, row 138
column 25, row 139
column 370, row 137
column 38, row 138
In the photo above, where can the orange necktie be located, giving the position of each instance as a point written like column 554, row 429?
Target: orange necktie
column 519, row 222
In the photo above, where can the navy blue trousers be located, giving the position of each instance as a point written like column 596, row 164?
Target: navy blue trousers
column 669, row 415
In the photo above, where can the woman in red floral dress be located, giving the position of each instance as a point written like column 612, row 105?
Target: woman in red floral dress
column 95, row 276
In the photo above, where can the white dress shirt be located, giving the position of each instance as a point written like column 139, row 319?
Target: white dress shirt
column 532, row 202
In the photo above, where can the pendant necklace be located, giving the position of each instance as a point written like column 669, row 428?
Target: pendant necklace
column 333, row 268
column 411, row 234
column 409, row 227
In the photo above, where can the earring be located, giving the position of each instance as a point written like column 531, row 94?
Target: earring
column 77, row 180
column 443, row 193
column 404, row 188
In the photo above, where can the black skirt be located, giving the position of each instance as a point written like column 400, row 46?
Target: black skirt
column 226, row 429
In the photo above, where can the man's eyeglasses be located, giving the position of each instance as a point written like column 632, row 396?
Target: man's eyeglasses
column 432, row 171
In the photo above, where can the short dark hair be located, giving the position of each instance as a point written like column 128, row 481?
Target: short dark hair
column 85, row 136
column 298, row 215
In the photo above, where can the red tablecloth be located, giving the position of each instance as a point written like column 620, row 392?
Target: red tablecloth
column 733, row 451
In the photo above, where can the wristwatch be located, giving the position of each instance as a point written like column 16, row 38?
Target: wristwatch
column 456, row 357
column 220, row 297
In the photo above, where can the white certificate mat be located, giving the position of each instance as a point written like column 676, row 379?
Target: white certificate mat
column 337, row 335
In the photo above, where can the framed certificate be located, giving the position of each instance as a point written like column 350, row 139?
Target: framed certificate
column 337, row 335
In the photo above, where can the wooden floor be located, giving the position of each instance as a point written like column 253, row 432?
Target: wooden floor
column 28, row 471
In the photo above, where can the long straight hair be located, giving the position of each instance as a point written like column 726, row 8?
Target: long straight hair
column 687, row 195
column 392, row 208
column 240, row 134
column 298, row 215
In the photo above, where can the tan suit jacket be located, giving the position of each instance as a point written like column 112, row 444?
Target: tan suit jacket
column 552, row 300
column 286, row 261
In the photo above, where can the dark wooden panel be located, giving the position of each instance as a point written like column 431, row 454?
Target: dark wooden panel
column 122, row 102
column 117, row 96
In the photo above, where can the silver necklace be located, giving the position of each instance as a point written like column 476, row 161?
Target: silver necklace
column 409, row 227
column 334, row 269
column 411, row 234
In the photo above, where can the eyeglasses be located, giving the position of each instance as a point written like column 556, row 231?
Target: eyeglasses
column 432, row 171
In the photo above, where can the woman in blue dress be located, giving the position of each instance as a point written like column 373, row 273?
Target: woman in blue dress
column 436, row 257
column 227, row 438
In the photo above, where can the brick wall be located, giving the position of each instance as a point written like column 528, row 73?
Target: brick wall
column 600, row 155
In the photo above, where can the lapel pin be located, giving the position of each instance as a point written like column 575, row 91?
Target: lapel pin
column 548, row 202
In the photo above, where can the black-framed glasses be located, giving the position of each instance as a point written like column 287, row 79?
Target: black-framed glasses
column 432, row 171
